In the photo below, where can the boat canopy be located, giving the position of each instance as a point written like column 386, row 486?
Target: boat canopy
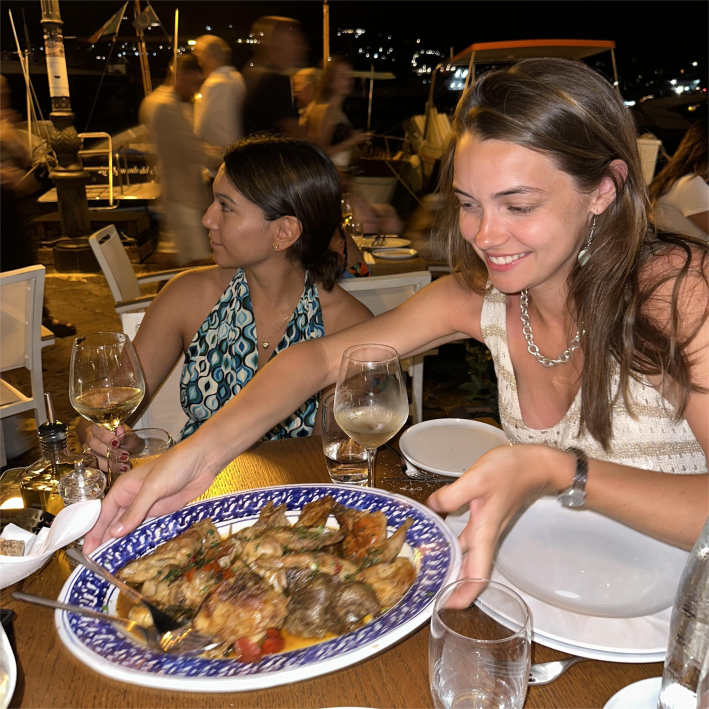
column 502, row 52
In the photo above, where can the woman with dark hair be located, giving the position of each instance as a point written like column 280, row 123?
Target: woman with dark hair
column 276, row 205
column 597, row 325
column 679, row 192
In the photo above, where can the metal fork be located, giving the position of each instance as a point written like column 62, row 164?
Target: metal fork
column 545, row 672
column 184, row 641
column 162, row 621
column 414, row 473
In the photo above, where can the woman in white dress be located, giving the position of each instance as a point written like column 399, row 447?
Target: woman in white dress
column 679, row 192
column 597, row 324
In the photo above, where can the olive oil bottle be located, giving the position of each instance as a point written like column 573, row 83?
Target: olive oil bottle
column 39, row 481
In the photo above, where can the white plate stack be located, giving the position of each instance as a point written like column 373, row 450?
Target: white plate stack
column 595, row 587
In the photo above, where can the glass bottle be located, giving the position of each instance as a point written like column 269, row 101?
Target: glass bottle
column 38, row 487
column 80, row 485
column 689, row 631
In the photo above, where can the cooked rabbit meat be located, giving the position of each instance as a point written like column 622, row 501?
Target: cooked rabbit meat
column 240, row 607
column 183, row 587
column 308, row 613
column 387, row 550
column 389, row 581
column 277, row 541
column 175, row 552
column 351, row 603
column 363, row 530
column 318, row 561
column 316, row 513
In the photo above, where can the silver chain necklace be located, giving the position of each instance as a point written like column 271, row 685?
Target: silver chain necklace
column 532, row 348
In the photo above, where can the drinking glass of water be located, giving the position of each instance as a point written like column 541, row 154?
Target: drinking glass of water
column 479, row 658
column 370, row 397
column 346, row 459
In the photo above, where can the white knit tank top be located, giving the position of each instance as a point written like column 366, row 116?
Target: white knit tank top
column 650, row 438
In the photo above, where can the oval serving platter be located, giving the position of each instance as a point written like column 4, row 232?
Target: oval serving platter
column 432, row 547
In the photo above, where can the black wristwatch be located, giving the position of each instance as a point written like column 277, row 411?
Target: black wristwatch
column 575, row 496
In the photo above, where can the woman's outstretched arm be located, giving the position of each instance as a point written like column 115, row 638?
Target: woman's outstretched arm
column 439, row 313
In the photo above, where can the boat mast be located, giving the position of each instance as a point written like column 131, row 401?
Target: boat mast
column 325, row 34
column 142, row 53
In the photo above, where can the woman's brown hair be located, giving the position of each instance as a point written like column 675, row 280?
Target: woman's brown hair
column 568, row 112
column 323, row 92
column 691, row 158
column 288, row 176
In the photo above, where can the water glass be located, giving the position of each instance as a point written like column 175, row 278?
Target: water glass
column 346, row 459
column 478, row 659
column 143, row 445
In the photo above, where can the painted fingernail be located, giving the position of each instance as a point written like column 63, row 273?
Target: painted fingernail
column 115, row 443
column 123, row 456
column 124, row 468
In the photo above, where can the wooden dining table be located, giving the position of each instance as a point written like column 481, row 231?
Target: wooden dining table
column 50, row 677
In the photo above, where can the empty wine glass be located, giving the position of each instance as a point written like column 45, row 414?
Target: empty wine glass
column 478, row 658
column 370, row 398
column 106, row 383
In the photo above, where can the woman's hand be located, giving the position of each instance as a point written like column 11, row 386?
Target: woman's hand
column 154, row 488
column 100, row 441
column 494, row 489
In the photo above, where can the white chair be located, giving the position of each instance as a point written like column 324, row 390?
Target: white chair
column 165, row 410
column 382, row 293
column 21, row 295
column 118, row 270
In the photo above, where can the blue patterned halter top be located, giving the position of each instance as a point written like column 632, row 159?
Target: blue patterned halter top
column 223, row 357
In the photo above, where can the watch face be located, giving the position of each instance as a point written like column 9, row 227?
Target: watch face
column 573, row 498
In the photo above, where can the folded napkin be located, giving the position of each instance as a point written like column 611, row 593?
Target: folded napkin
column 70, row 524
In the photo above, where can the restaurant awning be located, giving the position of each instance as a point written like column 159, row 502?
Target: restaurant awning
column 501, row 52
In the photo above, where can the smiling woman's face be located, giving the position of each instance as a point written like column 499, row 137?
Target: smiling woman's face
column 524, row 217
column 239, row 233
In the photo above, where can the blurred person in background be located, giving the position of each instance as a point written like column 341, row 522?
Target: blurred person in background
column 679, row 192
column 15, row 161
column 305, row 82
column 328, row 126
column 269, row 103
column 218, row 113
column 183, row 157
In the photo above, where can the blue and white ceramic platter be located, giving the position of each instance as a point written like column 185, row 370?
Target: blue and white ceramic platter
column 431, row 546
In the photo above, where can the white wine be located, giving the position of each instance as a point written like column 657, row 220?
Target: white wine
column 108, row 406
column 371, row 426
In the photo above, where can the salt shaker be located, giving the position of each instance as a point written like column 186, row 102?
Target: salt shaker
column 80, row 485
column 689, row 631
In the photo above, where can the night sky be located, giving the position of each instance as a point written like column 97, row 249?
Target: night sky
column 664, row 32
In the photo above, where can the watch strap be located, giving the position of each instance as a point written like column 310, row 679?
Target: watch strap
column 575, row 496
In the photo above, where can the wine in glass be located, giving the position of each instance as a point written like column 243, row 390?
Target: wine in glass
column 370, row 398
column 106, row 383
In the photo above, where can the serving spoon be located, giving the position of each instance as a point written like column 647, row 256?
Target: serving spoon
column 183, row 641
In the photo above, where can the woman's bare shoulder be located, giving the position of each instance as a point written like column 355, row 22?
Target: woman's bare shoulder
column 341, row 309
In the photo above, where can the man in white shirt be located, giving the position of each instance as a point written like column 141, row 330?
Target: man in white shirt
column 183, row 157
column 218, row 119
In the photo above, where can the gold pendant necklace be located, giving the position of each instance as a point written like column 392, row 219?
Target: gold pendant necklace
column 265, row 343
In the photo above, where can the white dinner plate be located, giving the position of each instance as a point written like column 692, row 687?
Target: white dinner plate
column 390, row 242
column 588, row 563
column 632, row 640
column 430, row 545
column 395, row 254
column 8, row 670
column 449, row 446
column 638, row 695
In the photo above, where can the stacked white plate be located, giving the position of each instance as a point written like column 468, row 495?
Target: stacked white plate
column 595, row 587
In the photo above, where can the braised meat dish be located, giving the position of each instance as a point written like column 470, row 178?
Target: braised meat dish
column 274, row 579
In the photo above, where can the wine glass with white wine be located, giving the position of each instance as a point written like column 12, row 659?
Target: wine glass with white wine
column 106, row 382
column 370, row 398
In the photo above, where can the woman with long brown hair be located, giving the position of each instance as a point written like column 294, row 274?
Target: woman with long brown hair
column 679, row 192
column 597, row 325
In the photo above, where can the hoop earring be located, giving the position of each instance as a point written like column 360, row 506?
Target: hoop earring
column 584, row 254
column 275, row 247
